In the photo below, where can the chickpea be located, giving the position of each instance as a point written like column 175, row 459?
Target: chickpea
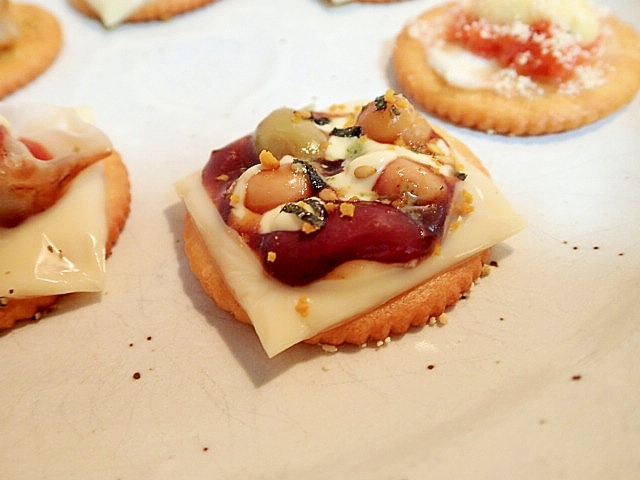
column 410, row 183
column 392, row 119
column 269, row 188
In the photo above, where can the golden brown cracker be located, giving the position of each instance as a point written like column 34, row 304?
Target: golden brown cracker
column 118, row 205
column 152, row 11
column 37, row 46
column 550, row 112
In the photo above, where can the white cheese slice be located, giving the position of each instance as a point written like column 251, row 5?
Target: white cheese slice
column 62, row 249
column 114, row 12
column 271, row 305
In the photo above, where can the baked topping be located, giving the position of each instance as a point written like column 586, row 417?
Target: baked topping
column 375, row 183
column 39, row 159
column 542, row 50
column 516, row 48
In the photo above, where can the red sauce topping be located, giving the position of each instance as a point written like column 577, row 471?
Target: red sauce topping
column 375, row 231
column 544, row 52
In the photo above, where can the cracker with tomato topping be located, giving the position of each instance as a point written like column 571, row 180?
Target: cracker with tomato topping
column 30, row 40
column 344, row 225
column 151, row 10
column 517, row 78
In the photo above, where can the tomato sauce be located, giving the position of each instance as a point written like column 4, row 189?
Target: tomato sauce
column 544, row 52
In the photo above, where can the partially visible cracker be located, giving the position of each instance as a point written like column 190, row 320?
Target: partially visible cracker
column 551, row 112
column 118, row 206
column 35, row 49
column 152, row 11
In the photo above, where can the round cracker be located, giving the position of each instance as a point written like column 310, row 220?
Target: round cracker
column 412, row 308
column 151, row 11
column 37, row 46
column 489, row 111
column 118, row 196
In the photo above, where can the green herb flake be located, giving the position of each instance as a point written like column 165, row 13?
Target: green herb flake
column 355, row 131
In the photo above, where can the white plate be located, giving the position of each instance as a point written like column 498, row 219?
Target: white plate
column 535, row 376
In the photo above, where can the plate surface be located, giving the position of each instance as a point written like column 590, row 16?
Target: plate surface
column 535, row 375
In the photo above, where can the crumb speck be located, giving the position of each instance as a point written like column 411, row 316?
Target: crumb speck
column 326, row 368
column 136, row 376
column 205, row 449
column 329, row 348
column 493, row 263
column 442, row 319
column 576, row 377
column 431, row 367
column 148, row 338
column 131, row 344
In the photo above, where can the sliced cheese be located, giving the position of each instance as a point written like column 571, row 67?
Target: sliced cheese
column 114, row 12
column 62, row 249
column 271, row 305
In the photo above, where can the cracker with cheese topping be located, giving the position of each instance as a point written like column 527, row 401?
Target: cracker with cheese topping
column 518, row 67
column 343, row 225
column 65, row 198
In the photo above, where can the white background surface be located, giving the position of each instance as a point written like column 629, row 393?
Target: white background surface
column 500, row 401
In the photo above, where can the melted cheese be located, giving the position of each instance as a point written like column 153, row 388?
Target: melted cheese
column 578, row 16
column 62, row 249
column 274, row 307
column 463, row 69
column 114, row 12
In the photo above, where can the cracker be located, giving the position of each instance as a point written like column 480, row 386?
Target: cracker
column 118, row 205
column 550, row 112
column 35, row 49
column 152, row 11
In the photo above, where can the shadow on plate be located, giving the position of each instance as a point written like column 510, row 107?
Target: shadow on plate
column 240, row 338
